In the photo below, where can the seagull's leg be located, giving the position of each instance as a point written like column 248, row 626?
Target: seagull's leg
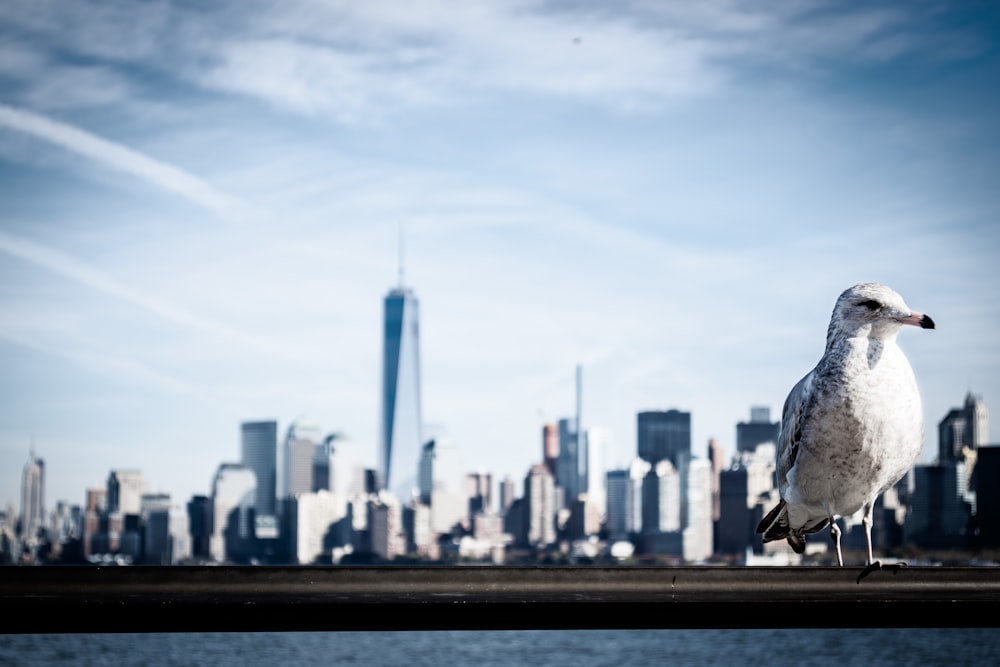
column 872, row 564
column 835, row 534
column 867, row 522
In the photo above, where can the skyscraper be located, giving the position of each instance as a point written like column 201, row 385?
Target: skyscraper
column 540, row 507
column 441, row 484
column 758, row 430
column 125, row 489
column 597, row 442
column 567, row 476
column 301, row 443
column 258, row 451
column 965, row 428
column 234, row 491
column 401, row 423
column 698, row 544
column 32, row 497
column 665, row 435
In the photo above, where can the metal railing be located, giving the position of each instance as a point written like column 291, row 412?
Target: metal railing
column 261, row 598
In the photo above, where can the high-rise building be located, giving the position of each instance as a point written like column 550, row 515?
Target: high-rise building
column 571, row 463
column 540, row 507
column 234, row 492
column 385, row 526
column 508, row 494
column 624, row 512
column 199, row 510
column 661, row 499
column 597, row 443
column 939, row 512
column 125, row 491
column 258, row 451
column 986, row 522
column 665, row 434
column 441, row 484
column 965, row 428
column 757, row 431
column 550, row 446
column 302, row 440
column 401, row 425
column 697, row 532
column 95, row 514
column 479, row 492
column 339, row 466
column 311, row 517
column 567, row 477
column 715, row 457
column 32, row 498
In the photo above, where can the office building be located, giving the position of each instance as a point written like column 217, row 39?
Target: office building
column 125, row 491
column 302, row 440
column 312, row 517
column 986, row 522
column 258, row 451
column 665, row 434
column 539, row 507
column 199, row 510
column 697, row 531
column 550, row 446
column 661, row 499
column 569, row 462
column 479, row 492
column 597, row 444
column 759, row 430
column 624, row 500
column 963, row 429
column 939, row 512
column 385, row 526
column 234, row 492
column 32, row 498
column 441, row 484
column 401, row 425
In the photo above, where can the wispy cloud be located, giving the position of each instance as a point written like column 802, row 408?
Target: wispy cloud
column 365, row 62
column 125, row 159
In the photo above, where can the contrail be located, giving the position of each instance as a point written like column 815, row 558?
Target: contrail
column 124, row 159
column 65, row 265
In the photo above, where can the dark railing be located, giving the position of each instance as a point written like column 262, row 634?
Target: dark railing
column 260, row 598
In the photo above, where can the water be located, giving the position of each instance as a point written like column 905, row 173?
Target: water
column 551, row 648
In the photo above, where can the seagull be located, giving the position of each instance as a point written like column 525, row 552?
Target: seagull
column 853, row 426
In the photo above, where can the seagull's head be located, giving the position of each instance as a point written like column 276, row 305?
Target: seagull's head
column 873, row 310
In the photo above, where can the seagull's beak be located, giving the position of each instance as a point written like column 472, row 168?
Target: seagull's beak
column 918, row 320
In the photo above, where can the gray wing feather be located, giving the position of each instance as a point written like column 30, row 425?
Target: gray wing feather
column 790, row 434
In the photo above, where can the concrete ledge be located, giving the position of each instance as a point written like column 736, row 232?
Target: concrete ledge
column 260, row 598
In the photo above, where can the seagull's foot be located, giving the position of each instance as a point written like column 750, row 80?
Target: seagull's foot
column 877, row 565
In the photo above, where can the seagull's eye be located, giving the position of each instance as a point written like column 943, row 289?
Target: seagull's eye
column 871, row 304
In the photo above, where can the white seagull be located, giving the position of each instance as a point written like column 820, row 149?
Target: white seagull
column 853, row 426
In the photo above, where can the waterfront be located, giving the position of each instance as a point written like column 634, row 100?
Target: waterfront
column 771, row 647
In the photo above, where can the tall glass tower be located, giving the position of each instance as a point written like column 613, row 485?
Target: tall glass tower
column 258, row 451
column 400, row 424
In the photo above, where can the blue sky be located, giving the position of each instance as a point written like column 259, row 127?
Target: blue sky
column 202, row 209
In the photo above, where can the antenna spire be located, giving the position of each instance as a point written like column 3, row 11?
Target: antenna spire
column 400, row 255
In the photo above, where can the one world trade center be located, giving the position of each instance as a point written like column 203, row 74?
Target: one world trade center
column 400, row 425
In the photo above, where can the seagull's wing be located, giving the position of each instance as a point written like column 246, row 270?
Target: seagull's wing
column 790, row 434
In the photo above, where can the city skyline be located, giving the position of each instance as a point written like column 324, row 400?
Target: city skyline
column 202, row 209
column 668, row 425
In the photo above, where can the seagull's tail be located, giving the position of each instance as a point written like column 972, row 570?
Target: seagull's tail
column 775, row 526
